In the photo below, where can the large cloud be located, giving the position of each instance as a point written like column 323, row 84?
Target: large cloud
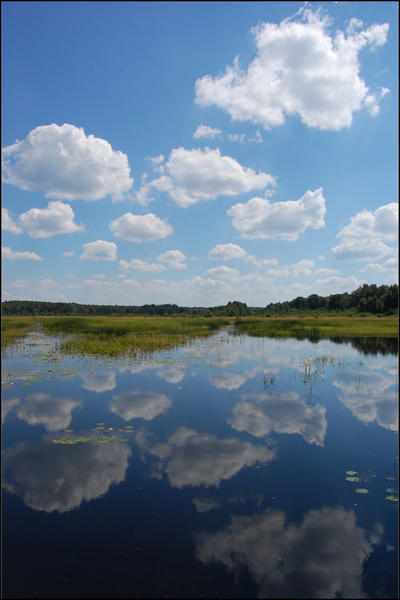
column 51, row 412
column 203, row 174
column 138, row 404
column 53, row 477
column 64, row 163
column 321, row 557
column 260, row 219
column 259, row 414
column 367, row 235
column 46, row 222
column 196, row 459
column 7, row 224
column 299, row 69
column 140, row 228
column 99, row 250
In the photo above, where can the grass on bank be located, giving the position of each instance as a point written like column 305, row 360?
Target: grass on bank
column 319, row 327
column 117, row 336
column 14, row 329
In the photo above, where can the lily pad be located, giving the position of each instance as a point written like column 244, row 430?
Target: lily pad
column 356, row 479
column 390, row 478
column 391, row 491
column 351, row 472
column 361, row 491
column 392, row 498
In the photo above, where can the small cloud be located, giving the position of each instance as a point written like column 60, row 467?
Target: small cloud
column 223, row 272
column 136, row 264
column 46, row 222
column 7, row 252
column 204, row 131
column 7, row 224
column 140, row 228
column 68, row 253
column 226, row 252
column 99, row 250
column 174, row 259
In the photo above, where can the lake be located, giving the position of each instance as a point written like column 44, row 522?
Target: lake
column 233, row 467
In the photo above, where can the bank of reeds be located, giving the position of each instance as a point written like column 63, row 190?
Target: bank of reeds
column 118, row 336
column 316, row 328
column 14, row 329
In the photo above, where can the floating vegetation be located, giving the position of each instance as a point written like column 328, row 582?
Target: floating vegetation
column 392, row 498
column 391, row 478
column 356, row 479
column 354, row 473
column 391, row 491
column 97, row 434
column 361, row 491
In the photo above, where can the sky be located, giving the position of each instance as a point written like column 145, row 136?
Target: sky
column 198, row 152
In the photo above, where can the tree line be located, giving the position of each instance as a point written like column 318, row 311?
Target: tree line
column 377, row 300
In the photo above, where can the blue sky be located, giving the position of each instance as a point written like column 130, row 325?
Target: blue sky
column 198, row 152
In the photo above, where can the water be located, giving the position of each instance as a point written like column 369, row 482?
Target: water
column 212, row 471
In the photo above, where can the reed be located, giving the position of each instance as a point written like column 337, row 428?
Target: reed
column 14, row 329
column 317, row 327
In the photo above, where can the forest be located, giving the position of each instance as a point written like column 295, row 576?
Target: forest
column 371, row 299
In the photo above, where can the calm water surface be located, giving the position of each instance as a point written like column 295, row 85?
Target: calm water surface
column 217, row 470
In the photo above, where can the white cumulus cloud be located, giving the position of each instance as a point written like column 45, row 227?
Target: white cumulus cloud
column 46, row 222
column 66, row 164
column 140, row 228
column 226, row 252
column 7, row 224
column 137, row 264
column 222, row 271
column 301, row 69
column 367, row 235
column 99, row 250
column 205, row 131
column 260, row 219
column 174, row 259
column 7, row 252
column 203, row 174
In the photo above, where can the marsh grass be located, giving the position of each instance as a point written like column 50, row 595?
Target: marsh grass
column 14, row 329
column 315, row 328
column 132, row 336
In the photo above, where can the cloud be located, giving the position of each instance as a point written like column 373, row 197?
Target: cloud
column 204, row 131
column 19, row 283
column 204, row 174
column 51, row 412
column 48, row 283
column 7, row 252
column 140, row 228
column 227, row 381
column 65, row 164
column 138, row 404
column 7, row 406
column 136, row 264
column 172, row 375
column 226, row 252
column 101, row 381
column 7, row 224
column 367, row 235
column 196, row 459
column 289, row 560
column 205, row 504
column 53, row 477
column 68, row 253
column 222, row 271
column 99, row 250
column 46, row 222
column 173, row 259
column 370, row 397
column 391, row 264
column 300, row 69
column 259, row 219
column 259, row 414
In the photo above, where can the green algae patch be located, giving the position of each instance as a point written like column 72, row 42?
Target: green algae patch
column 354, row 473
column 355, row 479
column 97, row 434
column 392, row 498
column 361, row 491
